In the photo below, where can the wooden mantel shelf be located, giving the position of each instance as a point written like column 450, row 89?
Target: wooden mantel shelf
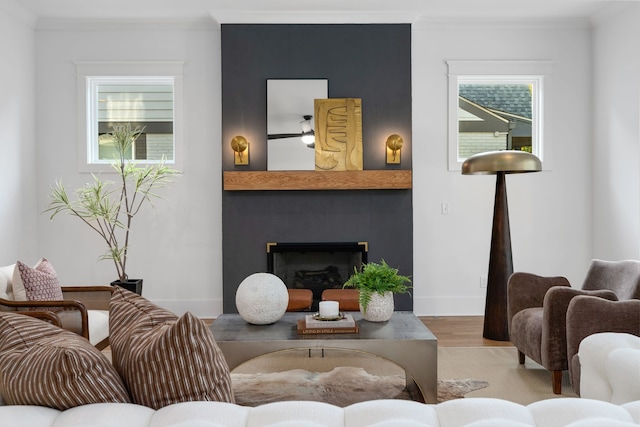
column 312, row 180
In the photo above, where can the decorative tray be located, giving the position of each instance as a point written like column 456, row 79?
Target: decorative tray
column 317, row 316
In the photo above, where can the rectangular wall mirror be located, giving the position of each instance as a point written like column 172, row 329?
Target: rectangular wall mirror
column 290, row 122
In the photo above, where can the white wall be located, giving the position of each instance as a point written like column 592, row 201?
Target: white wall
column 18, row 208
column 176, row 248
column 549, row 211
column 616, row 124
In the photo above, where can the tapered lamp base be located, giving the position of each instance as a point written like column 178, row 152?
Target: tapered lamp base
column 500, row 267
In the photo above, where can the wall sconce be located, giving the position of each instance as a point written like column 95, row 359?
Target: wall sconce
column 394, row 145
column 240, row 147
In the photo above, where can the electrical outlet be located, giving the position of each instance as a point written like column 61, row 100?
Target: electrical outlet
column 483, row 281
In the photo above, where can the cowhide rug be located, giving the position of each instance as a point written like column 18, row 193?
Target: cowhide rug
column 342, row 386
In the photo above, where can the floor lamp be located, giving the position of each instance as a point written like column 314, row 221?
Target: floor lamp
column 499, row 163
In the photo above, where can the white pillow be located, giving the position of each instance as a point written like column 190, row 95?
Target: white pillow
column 6, row 288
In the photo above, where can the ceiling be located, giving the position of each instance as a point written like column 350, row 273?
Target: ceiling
column 307, row 11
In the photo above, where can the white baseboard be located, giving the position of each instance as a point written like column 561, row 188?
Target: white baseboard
column 454, row 306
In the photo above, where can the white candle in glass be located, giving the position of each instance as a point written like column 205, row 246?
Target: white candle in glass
column 329, row 309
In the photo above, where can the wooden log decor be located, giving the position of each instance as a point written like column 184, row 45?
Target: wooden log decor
column 312, row 180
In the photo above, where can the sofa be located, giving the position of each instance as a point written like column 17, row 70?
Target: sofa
column 596, row 319
column 610, row 367
column 190, row 385
column 470, row 412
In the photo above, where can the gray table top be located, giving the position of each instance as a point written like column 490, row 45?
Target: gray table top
column 404, row 325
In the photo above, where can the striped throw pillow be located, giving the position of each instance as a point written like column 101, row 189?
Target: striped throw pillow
column 164, row 359
column 41, row 364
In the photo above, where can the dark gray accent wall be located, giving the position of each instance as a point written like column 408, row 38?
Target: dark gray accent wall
column 371, row 62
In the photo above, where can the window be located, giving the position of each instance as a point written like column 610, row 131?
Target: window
column 115, row 93
column 490, row 110
column 142, row 101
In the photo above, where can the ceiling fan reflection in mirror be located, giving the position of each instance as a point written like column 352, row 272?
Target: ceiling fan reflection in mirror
column 307, row 135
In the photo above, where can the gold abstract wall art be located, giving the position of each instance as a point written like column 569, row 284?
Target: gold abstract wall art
column 338, row 132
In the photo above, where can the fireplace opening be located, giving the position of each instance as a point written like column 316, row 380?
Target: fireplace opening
column 315, row 266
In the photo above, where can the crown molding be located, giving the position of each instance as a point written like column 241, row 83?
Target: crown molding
column 418, row 20
column 611, row 10
column 315, row 17
column 18, row 11
column 166, row 24
column 432, row 23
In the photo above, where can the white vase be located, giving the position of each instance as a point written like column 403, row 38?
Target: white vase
column 380, row 308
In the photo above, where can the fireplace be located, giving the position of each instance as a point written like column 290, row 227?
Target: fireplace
column 315, row 266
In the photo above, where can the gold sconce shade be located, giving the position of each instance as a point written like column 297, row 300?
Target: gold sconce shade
column 507, row 161
column 240, row 147
column 394, row 145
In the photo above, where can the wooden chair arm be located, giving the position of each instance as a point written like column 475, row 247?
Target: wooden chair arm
column 64, row 304
column 93, row 297
column 70, row 305
column 108, row 289
column 46, row 316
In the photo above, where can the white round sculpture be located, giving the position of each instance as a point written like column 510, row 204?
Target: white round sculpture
column 262, row 298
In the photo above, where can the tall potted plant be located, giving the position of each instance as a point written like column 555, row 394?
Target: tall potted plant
column 377, row 282
column 108, row 207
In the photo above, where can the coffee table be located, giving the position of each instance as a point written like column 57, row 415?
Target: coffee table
column 404, row 340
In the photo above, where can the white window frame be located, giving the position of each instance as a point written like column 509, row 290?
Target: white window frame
column 509, row 72
column 90, row 73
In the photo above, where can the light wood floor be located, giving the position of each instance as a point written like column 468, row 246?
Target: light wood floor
column 460, row 331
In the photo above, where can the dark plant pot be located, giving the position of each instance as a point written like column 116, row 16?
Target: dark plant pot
column 132, row 285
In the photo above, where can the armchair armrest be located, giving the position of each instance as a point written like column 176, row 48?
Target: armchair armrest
column 61, row 305
column 47, row 316
column 526, row 290
column 554, row 324
column 92, row 297
column 587, row 316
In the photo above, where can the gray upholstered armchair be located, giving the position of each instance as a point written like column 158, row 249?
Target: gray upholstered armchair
column 588, row 315
column 537, row 309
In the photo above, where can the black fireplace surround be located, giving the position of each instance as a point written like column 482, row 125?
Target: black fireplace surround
column 315, row 266
column 371, row 62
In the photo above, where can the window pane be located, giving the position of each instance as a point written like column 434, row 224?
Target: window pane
column 145, row 102
column 495, row 115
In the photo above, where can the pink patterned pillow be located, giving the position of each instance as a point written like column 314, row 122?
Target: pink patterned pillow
column 37, row 283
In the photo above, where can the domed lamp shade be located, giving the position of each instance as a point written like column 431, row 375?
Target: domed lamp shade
column 262, row 298
column 500, row 258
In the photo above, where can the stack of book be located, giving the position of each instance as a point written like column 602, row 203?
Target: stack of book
column 313, row 324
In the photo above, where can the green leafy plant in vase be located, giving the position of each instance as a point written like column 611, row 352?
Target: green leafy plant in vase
column 109, row 207
column 376, row 283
